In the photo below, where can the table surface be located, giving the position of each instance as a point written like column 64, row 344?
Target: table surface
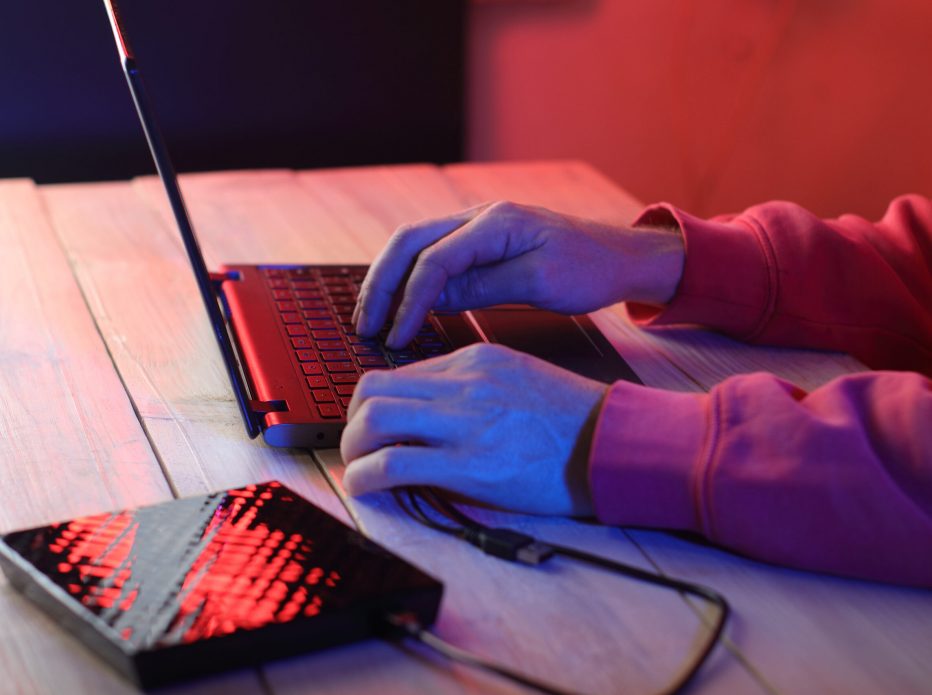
column 112, row 394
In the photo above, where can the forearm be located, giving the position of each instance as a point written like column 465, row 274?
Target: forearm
column 838, row 480
column 776, row 274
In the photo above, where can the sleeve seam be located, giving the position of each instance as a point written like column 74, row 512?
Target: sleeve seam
column 772, row 279
column 703, row 483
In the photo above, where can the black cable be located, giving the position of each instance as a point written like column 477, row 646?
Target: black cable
column 412, row 628
column 519, row 547
column 703, row 592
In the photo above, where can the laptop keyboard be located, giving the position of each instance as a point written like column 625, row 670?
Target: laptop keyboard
column 315, row 305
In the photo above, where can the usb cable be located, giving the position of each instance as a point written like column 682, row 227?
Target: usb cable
column 521, row 548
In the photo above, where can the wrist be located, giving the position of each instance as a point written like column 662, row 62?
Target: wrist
column 657, row 262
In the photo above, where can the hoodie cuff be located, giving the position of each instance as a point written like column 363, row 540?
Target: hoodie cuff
column 729, row 277
column 647, row 456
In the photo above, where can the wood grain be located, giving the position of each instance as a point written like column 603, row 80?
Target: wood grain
column 811, row 633
column 70, row 443
column 130, row 263
column 69, row 440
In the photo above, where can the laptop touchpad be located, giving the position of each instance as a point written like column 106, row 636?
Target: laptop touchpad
column 571, row 342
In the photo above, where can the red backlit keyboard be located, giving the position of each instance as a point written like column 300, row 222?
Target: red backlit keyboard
column 315, row 305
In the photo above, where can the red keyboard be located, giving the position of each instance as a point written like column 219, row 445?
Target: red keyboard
column 316, row 304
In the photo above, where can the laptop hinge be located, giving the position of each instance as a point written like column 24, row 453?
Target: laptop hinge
column 218, row 278
column 263, row 407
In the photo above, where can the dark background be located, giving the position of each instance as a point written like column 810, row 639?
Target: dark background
column 235, row 84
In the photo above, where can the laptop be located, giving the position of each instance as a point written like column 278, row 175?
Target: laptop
column 287, row 339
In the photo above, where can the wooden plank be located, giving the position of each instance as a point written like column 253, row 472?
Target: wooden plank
column 375, row 201
column 129, row 261
column 256, row 217
column 566, row 186
column 812, row 633
column 797, row 632
column 70, row 443
column 69, row 440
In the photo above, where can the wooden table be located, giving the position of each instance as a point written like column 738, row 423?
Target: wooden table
column 112, row 394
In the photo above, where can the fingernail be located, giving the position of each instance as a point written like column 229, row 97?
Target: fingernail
column 361, row 321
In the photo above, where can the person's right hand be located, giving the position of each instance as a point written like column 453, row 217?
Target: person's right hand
column 503, row 253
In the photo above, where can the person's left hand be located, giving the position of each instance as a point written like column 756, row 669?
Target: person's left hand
column 486, row 421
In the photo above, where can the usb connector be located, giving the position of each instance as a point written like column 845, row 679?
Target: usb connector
column 509, row 545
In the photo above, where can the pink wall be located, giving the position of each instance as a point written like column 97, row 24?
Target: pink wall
column 712, row 104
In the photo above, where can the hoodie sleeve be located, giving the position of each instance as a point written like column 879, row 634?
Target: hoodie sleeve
column 778, row 275
column 836, row 480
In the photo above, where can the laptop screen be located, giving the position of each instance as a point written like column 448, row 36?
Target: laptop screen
column 166, row 172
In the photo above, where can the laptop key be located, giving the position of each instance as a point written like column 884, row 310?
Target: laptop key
column 359, row 340
column 371, row 360
column 333, row 355
column 312, row 368
column 291, row 317
column 306, row 355
column 317, row 382
column 345, row 389
column 317, row 324
column 322, row 395
column 296, row 329
column 299, row 343
column 340, row 367
column 344, row 378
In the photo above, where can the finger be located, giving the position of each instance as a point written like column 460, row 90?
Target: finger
column 485, row 240
column 388, row 271
column 397, row 466
column 398, row 383
column 384, row 421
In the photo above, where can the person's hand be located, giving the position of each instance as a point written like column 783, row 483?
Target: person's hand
column 496, row 425
column 505, row 253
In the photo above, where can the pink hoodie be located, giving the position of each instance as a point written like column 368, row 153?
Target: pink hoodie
column 837, row 480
